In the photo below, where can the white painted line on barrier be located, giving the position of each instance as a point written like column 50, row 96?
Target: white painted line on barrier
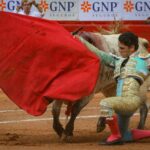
column 50, row 118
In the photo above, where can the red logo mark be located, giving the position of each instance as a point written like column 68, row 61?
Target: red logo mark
column 44, row 5
column 86, row 6
column 2, row 5
column 128, row 6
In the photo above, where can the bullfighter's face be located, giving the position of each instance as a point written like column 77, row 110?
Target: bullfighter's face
column 125, row 51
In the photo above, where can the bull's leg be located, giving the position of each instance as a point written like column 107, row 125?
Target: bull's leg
column 144, row 106
column 56, row 113
column 143, row 116
column 77, row 107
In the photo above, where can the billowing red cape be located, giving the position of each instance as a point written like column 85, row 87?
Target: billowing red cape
column 40, row 58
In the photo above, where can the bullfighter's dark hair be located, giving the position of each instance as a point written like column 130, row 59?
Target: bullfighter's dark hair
column 129, row 39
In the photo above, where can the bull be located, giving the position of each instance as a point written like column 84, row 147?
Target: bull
column 105, row 83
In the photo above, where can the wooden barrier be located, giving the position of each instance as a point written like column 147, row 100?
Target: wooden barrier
column 139, row 27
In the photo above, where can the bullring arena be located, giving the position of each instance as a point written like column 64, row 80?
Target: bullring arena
column 21, row 131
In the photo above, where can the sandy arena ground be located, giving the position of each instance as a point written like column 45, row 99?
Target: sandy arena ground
column 21, row 131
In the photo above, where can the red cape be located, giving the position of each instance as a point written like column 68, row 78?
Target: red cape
column 40, row 58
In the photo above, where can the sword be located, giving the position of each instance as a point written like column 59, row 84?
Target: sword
column 77, row 30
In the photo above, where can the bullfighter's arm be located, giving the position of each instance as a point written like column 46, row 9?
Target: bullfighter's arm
column 106, row 58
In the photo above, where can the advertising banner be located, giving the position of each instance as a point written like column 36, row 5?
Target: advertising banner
column 88, row 10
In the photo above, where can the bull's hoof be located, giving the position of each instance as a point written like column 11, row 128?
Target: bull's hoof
column 66, row 139
column 101, row 124
column 141, row 126
column 59, row 129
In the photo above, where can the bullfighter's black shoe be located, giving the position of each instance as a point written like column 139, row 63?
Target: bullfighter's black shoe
column 116, row 142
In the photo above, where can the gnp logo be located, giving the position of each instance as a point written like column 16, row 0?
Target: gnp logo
column 11, row 4
column 139, row 6
column 98, row 6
